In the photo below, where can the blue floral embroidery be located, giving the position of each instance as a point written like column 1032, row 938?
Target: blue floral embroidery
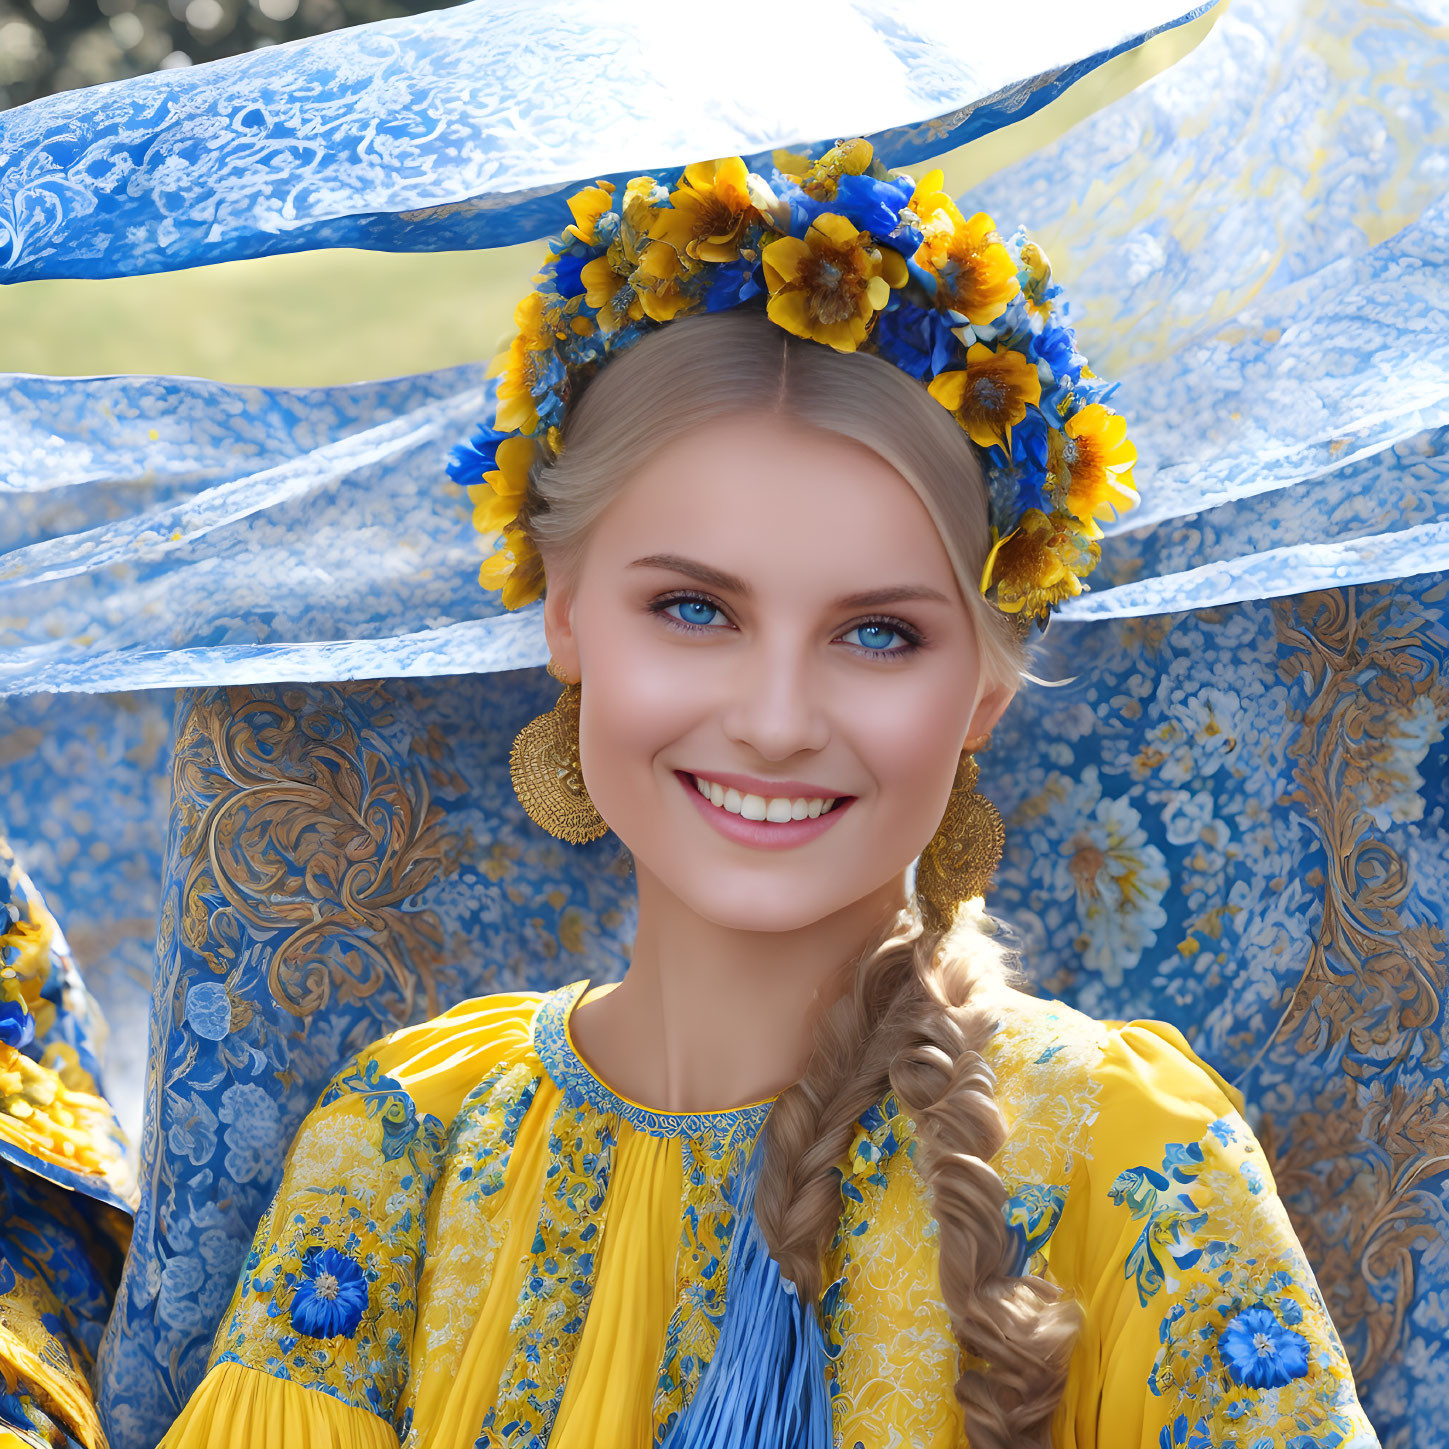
column 558, row 1281
column 384, row 1097
column 1164, row 1200
column 331, row 1297
column 1225, row 1129
column 1032, row 1214
column 1260, row 1352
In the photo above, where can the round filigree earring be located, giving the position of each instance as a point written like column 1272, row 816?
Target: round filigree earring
column 547, row 776
column 961, row 857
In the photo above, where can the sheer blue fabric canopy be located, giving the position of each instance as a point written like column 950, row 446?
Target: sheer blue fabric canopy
column 154, row 534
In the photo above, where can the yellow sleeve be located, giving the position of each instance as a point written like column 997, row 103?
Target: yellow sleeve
column 241, row 1406
column 319, row 1331
column 1204, row 1325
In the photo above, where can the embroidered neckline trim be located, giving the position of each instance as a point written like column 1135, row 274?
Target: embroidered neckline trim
column 554, row 1046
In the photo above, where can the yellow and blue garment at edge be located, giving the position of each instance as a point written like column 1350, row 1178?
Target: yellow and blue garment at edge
column 66, row 1187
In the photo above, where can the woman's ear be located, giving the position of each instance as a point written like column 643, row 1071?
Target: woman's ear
column 989, row 709
column 558, row 625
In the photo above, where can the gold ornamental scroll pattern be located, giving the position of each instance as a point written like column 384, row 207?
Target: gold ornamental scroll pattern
column 1372, row 1146
column 306, row 836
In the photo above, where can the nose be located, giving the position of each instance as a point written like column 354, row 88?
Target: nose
column 776, row 707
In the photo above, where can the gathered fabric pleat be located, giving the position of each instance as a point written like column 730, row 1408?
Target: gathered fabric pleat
column 239, row 1405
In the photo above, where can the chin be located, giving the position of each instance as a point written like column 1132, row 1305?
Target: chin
column 780, row 907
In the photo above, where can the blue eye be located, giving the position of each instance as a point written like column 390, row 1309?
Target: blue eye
column 875, row 637
column 701, row 608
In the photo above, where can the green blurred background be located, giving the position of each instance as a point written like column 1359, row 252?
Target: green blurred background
column 313, row 317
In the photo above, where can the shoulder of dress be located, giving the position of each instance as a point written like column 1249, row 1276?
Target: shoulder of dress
column 1042, row 1033
column 1047, row 1057
column 439, row 1061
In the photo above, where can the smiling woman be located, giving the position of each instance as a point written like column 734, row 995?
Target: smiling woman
column 816, row 1172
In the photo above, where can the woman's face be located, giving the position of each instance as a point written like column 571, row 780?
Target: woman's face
column 712, row 625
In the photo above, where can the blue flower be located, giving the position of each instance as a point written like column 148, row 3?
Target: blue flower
column 1057, row 347
column 875, row 206
column 866, row 202
column 1029, row 460
column 331, row 1298
column 566, row 274
column 1260, row 1352
column 918, row 340
column 468, row 462
column 17, row 1026
column 734, row 282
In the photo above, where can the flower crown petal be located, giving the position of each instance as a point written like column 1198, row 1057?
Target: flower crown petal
column 841, row 251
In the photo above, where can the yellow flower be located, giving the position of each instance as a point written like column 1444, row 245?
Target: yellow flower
column 588, row 206
column 1039, row 563
column 1038, row 278
column 519, row 366
column 711, row 212
column 656, row 282
column 992, row 395
column 829, row 284
column 516, row 569
column 847, row 158
column 496, row 501
column 609, row 280
column 930, row 195
column 603, row 285
column 1089, row 466
column 974, row 272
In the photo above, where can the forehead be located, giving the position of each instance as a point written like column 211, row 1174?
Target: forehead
column 755, row 491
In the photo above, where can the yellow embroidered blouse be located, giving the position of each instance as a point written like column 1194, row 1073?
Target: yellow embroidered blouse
column 476, row 1241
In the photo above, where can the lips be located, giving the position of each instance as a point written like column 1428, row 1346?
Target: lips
column 763, row 834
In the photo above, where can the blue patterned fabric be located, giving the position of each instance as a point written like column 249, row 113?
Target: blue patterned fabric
column 1234, row 817
column 85, row 794
column 1269, row 396
column 443, row 131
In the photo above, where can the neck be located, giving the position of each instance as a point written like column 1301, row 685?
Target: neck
column 709, row 1016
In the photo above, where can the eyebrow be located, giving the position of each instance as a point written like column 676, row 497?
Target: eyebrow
column 728, row 583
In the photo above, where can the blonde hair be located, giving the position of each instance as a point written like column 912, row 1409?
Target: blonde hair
column 920, row 1007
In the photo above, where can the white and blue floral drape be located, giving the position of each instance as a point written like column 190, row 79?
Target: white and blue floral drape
column 1234, row 818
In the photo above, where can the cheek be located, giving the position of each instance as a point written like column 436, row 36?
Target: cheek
column 633, row 707
column 913, row 763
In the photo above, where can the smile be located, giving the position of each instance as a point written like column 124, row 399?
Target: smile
column 761, row 821
column 776, row 809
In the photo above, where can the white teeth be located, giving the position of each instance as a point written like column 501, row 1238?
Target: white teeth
column 758, row 807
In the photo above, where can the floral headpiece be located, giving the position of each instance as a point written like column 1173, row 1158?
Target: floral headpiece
column 857, row 257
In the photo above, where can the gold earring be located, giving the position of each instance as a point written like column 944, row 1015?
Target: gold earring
column 547, row 776
column 961, row 857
